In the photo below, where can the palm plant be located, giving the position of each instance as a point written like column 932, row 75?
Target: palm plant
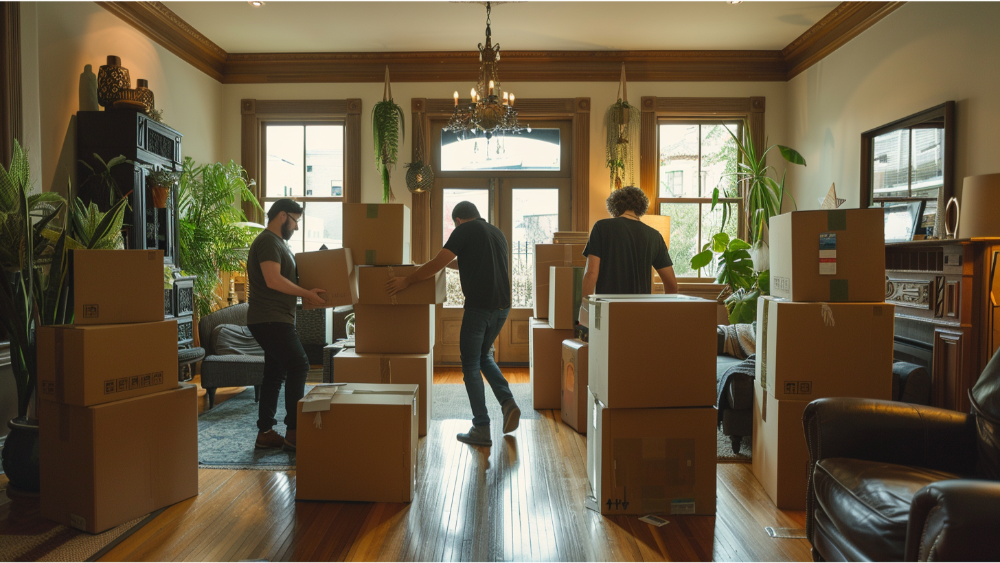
column 388, row 126
column 214, row 232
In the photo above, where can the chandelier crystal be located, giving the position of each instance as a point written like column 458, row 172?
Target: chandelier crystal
column 490, row 110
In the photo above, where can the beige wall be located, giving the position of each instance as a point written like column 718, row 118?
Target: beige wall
column 602, row 95
column 65, row 36
column 921, row 55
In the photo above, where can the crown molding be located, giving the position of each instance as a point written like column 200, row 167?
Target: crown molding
column 842, row 24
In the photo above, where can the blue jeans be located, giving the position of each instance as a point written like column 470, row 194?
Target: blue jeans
column 480, row 328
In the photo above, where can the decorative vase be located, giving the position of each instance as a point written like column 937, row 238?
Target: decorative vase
column 160, row 195
column 145, row 94
column 20, row 455
column 112, row 78
column 88, row 90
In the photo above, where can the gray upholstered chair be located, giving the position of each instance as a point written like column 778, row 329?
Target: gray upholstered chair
column 223, row 366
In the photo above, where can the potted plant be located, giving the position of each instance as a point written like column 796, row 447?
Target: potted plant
column 388, row 125
column 621, row 122
column 160, row 181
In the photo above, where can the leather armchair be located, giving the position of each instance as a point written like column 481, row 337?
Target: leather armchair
column 891, row 481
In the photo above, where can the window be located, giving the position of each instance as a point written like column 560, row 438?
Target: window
column 300, row 160
column 695, row 157
column 531, row 150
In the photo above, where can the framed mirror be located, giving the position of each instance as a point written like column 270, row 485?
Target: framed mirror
column 910, row 161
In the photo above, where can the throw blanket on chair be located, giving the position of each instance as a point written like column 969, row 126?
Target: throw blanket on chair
column 746, row 367
column 738, row 341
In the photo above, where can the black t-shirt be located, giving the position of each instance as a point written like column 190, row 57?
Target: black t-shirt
column 482, row 264
column 627, row 249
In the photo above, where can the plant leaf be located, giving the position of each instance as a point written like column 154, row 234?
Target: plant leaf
column 791, row 155
column 701, row 259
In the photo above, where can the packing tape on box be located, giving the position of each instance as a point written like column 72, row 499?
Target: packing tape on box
column 369, row 257
column 385, row 369
column 568, row 254
column 392, row 298
column 371, row 211
column 60, row 366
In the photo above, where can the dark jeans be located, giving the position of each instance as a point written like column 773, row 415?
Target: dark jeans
column 285, row 361
column 480, row 328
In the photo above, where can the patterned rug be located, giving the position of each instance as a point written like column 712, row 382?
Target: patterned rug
column 724, row 448
column 451, row 401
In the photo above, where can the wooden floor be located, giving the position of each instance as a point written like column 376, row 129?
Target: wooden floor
column 522, row 499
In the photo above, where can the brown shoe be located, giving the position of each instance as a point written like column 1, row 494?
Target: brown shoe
column 269, row 439
column 289, row 440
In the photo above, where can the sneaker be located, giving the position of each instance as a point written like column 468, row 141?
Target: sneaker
column 477, row 436
column 269, row 439
column 511, row 416
column 289, row 440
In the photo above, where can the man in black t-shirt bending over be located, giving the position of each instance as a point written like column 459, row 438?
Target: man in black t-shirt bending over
column 622, row 250
column 481, row 250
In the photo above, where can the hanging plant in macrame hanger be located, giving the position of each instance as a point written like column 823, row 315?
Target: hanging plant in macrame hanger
column 622, row 124
column 388, row 126
column 419, row 176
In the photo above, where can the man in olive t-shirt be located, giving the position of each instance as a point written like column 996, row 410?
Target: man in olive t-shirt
column 272, row 299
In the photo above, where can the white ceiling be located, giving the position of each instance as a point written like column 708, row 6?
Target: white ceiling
column 287, row 27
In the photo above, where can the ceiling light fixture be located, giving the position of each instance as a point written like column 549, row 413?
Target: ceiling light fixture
column 734, row 1
column 255, row 3
column 490, row 110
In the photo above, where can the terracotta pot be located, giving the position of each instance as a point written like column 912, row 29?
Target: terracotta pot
column 160, row 195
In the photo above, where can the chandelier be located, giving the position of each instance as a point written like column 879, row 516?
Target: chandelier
column 491, row 110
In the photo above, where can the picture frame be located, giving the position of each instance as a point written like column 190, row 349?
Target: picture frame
column 902, row 220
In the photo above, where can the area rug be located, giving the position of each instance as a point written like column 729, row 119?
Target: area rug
column 452, row 402
column 62, row 543
column 724, row 448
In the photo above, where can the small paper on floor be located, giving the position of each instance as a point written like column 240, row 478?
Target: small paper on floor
column 654, row 520
column 786, row 533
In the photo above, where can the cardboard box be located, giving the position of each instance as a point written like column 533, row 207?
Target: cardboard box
column 565, row 289
column 653, row 352
column 545, row 363
column 372, row 280
column 780, row 454
column 377, row 233
column 332, row 270
column 575, row 397
column 102, row 466
column 546, row 256
column 95, row 364
column 360, row 444
column 828, row 255
column 394, row 329
column 585, row 302
column 571, row 237
column 808, row 351
column 412, row 369
column 134, row 294
column 659, row 222
column 651, row 461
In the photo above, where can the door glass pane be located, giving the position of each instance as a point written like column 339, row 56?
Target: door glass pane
column 711, row 222
column 295, row 243
column 927, row 175
column 284, row 160
column 450, row 198
column 678, row 160
column 322, row 225
column 718, row 159
column 535, row 150
column 683, row 235
column 892, row 163
column 534, row 219
column 324, row 160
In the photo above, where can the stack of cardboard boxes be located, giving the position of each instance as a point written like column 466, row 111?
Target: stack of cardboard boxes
column 392, row 359
column 118, row 437
column 825, row 332
column 651, row 436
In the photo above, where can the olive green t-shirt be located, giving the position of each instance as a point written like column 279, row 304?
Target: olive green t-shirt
column 268, row 305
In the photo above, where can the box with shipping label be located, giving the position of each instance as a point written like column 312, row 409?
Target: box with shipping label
column 415, row 369
column 377, row 233
column 652, row 352
column 808, row 351
column 545, row 363
column 134, row 294
column 357, row 442
column 94, row 364
column 565, row 288
column 372, row 280
column 574, row 385
column 104, row 465
column 835, row 255
column 331, row 270
column 780, row 454
column 546, row 256
column 394, row 329
column 651, row 461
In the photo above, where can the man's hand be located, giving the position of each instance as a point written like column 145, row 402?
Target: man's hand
column 395, row 285
column 313, row 297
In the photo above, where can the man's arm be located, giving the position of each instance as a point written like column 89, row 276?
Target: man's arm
column 278, row 282
column 444, row 258
column 590, row 275
column 668, row 279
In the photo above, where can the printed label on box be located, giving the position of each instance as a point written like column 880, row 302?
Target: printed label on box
column 682, row 506
column 781, row 283
column 798, row 388
column 91, row 311
column 827, row 254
